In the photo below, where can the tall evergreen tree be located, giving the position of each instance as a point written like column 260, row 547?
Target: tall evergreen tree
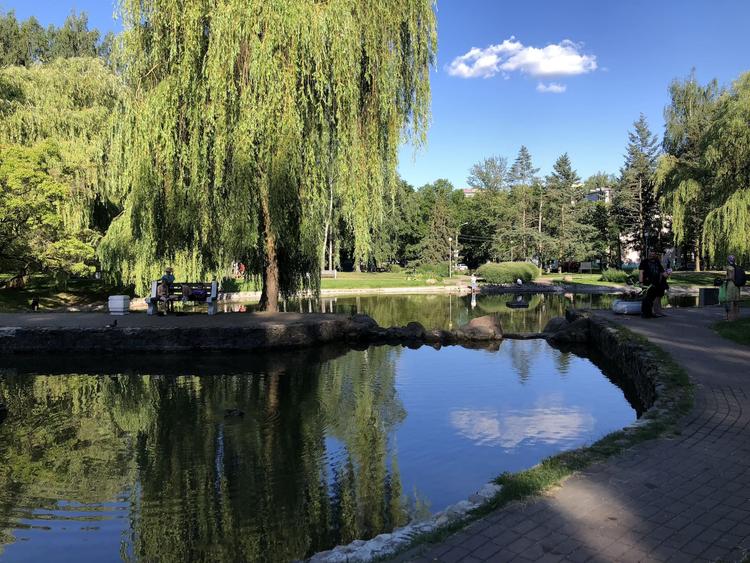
column 635, row 203
column 243, row 113
column 523, row 171
column 436, row 246
column 566, row 199
column 526, row 194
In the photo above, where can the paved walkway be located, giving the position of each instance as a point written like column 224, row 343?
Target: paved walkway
column 673, row 499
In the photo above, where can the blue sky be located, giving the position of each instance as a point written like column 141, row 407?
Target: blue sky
column 618, row 61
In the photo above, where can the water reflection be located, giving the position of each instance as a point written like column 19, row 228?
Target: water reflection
column 530, row 313
column 273, row 457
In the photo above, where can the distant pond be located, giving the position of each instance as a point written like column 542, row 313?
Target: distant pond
column 272, row 457
column 451, row 311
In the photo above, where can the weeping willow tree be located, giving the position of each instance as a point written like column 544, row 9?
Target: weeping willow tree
column 727, row 226
column 683, row 177
column 245, row 114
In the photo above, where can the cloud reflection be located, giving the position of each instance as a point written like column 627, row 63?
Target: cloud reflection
column 552, row 425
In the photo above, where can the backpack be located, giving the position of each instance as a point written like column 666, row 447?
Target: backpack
column 740, row 277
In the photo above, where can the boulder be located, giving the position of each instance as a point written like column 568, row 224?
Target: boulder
column 576, row 332
column 364, row 321
column 482, row 328
column 556, row 324
column 415, row 331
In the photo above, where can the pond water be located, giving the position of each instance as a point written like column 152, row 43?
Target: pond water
column 447, row 311
column 104, row 462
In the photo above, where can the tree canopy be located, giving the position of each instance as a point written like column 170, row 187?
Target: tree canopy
column 243, row 115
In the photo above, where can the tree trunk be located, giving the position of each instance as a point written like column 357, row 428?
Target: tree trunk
column 330, row 251
column 269, row 298
column 697, row 255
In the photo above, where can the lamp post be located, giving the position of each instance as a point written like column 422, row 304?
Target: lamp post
column 450, row 256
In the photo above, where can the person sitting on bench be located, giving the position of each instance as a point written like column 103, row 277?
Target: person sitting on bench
column 165, row 288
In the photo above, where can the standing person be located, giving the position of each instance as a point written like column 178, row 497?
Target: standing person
column 473, row 283
column 662, row 288
column 650, row 274
column 732, row 304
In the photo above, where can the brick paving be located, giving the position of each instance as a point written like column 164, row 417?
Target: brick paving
column 684, row 498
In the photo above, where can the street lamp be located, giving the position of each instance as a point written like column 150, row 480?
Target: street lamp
column 450, row 256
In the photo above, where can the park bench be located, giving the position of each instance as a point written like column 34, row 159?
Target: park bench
column 186, row 292
column 328, row 274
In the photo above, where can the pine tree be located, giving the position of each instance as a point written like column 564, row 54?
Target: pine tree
column 244, row 114
column 635, row 203
column 565, row 193
column 437, row 244
column 526, row 193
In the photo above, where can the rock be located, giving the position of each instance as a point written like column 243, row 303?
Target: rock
column 415, row 331
column 576, row 332
column 556, row 325
column 430, row 281
column 364, row 321
column 485, row 493
column 482, row 328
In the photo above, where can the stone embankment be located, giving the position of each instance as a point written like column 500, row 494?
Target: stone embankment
column 91, row 333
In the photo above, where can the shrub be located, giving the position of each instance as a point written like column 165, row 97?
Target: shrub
column 395, row 269
column 508, row 272
column 616, row 276
column 433, row 270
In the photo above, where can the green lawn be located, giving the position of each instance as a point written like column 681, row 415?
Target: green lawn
column 738, row 331
column 578, row 279
column 682, row 279
column 374, row 280
column 77, row 293
column 701, row 279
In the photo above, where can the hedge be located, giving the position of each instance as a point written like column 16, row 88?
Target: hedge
column 508, row 272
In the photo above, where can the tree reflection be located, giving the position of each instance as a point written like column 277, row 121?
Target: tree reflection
column 269, row 485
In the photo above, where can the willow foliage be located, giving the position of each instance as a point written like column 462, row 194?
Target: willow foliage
column 727, row 226
column 244, row 114
column 69, row 103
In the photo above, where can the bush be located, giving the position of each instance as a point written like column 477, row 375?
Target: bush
column 395, row 269
column 433, row 270
column 508, row 272
column 616, row 276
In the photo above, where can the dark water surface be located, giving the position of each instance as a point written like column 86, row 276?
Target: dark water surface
column 135, row 458
column 447, row 311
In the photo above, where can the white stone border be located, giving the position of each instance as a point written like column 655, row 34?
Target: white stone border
column 388, row 544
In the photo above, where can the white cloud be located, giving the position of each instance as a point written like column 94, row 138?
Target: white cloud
column 551, row 88
column 557, row 59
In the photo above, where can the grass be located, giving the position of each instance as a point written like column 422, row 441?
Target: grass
column 737, row 331
column 552, row 471
column 699, row 279
column 579, row 279
column 77, row 293
column 373, row 280
column 682, row 279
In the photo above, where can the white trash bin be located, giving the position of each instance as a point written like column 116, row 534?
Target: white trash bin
column 119, row 304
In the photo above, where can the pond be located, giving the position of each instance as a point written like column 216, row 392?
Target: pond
column 448, row 311
column 274, row 456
